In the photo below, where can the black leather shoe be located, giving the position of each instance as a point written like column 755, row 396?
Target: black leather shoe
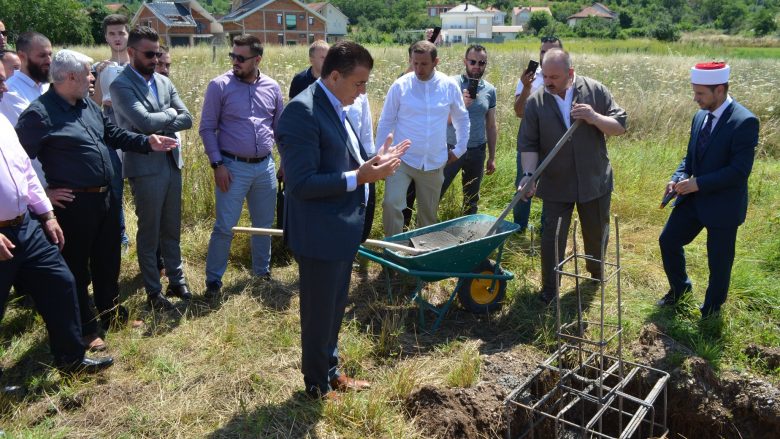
column 180, row 291
column 668, row 300
column 213, row 291
column 158, row 302
column 87, row 365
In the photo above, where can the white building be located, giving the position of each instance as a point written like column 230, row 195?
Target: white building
column 522, row 15
column 335, row 20
column 465, row 22
column 499, row 16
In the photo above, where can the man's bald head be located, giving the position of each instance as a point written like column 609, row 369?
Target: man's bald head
column 557, row 56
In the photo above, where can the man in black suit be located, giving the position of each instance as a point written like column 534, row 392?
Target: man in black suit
column 328, row 175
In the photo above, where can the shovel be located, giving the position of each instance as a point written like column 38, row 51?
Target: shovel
column 539, row 169
column 372, row 242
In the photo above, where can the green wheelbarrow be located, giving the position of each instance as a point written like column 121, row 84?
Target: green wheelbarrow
column 458, row 248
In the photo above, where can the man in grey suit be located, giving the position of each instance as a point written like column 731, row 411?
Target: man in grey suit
column 147, row 102
column 328, row 175
column 580, row 174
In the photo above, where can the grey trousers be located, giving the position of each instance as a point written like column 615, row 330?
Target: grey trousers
column 428, row 188
column 158, row 208
column 594, row 217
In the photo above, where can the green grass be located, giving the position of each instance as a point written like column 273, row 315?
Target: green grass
column 232, row 369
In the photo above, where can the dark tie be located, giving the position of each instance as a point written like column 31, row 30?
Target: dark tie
column 704, row 136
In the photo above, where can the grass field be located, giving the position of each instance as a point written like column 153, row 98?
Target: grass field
column 231, row 370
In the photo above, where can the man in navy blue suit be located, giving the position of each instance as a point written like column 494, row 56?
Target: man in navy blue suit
column 327, row 205
column 711, row 185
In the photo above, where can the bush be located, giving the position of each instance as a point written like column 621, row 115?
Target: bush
column 763, row 23
column 666, row 31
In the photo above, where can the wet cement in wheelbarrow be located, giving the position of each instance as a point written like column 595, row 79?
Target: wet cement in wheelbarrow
column 451, row 236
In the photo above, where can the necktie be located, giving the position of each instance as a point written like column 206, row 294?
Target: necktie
column 704, row 136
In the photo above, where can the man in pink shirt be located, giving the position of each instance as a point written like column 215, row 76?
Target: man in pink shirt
column 30, row 254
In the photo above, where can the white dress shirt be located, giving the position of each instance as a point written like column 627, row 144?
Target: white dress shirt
column 418, row 110
column 359, row 114
column 719, row 112
column 564, row 104
column 536, row 83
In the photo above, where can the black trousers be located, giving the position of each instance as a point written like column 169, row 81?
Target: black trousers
column 324, row 288
column 472, row 162
column 594, row 217
column 39, row 269
column 93, row 254
column 681, row 228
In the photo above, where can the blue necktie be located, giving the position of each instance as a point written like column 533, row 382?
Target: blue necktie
column 704, row 136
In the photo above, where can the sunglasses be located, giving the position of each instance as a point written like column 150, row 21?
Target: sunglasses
column 473, row 62
column 4, row 33
column 550, row 39
column 240, row 58
column 149, row 54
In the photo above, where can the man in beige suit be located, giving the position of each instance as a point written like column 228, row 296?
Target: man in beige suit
column 580, row 174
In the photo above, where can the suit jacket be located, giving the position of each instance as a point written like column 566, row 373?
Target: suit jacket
column 136, row 109
column 723, row 171
column 322, row 219
column 581, row 171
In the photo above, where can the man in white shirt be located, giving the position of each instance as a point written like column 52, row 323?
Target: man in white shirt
column 529, row 82
column 359, row 114
column 26, row 85
column 416, row 108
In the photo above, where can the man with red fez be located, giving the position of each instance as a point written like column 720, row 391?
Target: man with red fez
column 711, row 186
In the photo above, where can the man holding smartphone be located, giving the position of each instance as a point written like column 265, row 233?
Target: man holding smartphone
column 479, row 96
column 531, row 80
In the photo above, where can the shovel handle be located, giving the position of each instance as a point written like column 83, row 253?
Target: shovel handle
column 372, row 242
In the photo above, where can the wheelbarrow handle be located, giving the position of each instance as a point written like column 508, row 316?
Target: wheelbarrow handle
column 372, row 242
column 539, row 169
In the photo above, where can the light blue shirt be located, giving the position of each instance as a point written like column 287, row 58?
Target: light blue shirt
column 350, row 176
column 151, row 83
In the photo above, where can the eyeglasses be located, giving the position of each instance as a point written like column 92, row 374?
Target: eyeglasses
column 550, row 39
column 4, row 33
column 473, row 62
column 149, row 54
column 241, row 58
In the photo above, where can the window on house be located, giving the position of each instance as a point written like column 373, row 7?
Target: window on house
column 280, row 38
column 301, row 36
column 290, row 21
column 300, row 17
column 279, row 19
column 311, row 38
column 311, row 21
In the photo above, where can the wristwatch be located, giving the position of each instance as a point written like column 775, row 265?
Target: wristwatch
column 528, row 174
column 217, row 164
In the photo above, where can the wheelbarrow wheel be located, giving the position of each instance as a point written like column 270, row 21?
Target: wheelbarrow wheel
column 475, row 295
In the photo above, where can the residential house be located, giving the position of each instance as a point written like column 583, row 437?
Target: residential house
column 522, row 15
column 595, row 10
column 179, row 23
column 504, row 33
column 437, row 10
column 335, row 20
column 465, row 23
column 275, row 21
column 499, row 16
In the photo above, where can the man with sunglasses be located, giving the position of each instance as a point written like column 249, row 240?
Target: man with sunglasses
column 240, row 112
column 3, row 37
column 148, row 103
column 417, row 107
column 483, row 132
column 529, row 82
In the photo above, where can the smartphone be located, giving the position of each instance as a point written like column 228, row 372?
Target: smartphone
column 532, row 66
column 473, row 84
column 435, row 34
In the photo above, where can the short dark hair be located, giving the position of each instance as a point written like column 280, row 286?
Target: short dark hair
column 4, row 51
column 114, row 19
column 424, row 46
column 714, row 86
column 255, row 46
column 164, row 48
column 139, row 33
column 476, row 48
column 25, row 41
column 344, row 56
column 552, row 39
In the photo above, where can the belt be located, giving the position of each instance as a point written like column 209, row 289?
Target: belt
column 12, row 222
column 96, row 189
column 243, row 159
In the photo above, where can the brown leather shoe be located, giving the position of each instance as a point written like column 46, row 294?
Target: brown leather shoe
column 94, row 343
column 343, row 383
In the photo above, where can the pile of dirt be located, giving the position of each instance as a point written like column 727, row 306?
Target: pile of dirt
column 701, row 404
column 475, row 412
column 770, row 356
